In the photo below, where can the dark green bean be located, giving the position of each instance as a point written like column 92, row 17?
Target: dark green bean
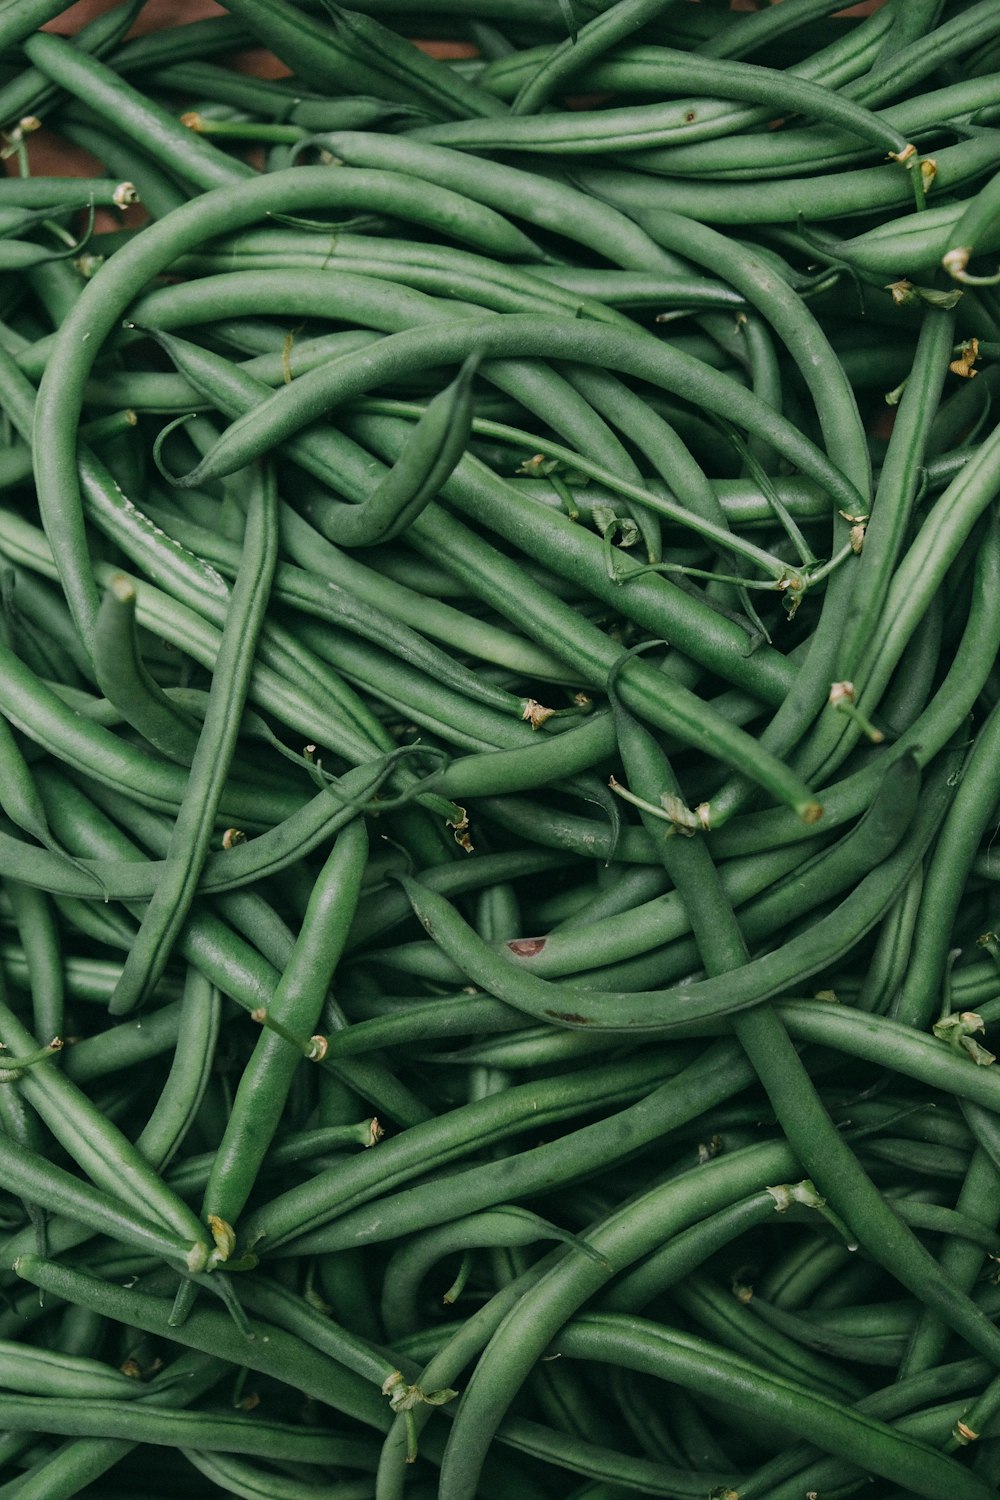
column 97, row 1145
column 866, row 190
column 698, row 1004
column 296, row 1216
column 105, row 299
column 295, row 1006
column 882, row 1449
column 129, row 111
column 170, row 902
column 127, row 683
column 272, row 1351
column 730, row 1321
column 621, row 130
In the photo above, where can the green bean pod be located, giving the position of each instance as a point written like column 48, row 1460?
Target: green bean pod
column 169, row 904
column 295, row 1007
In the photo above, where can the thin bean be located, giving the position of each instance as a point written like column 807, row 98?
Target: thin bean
column 617, row 129
column 104, row 300
column 702, row 1367
column 811, row 199
column 127, row 683
column 170, row 902
column 295, row 1005
column 593, row 39
column 297, row 1215
column 272, row 1351
column 700, row 1003
column 730, row 1321
column 143, row 1422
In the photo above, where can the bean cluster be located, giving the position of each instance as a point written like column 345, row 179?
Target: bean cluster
column 500, row 752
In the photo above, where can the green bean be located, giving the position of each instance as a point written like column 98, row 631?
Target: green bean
column 694, row 1005
column 267, row 853
column 295, row 1006
column 155, row 188
column 735, row 1327
column 961, row 1260
column 753, row 31
column 103, row 301
column 311, row 1146
column 779, row 153
column 273, row 1352
column 211, row 36
column 534, row 383
column 71, row 1464
column 640, row 289
column 618, row 129
column 594, row 38
column 913, row 243
column 107, row 93
column 287, row 678
column 42, row 1372
column 274, row 98
column 58, row 193
column 749, row 274
column 40, row 941
column 143, row 1422
column 810, row 199
column 412, row 1262
column 835, row 65
column 922, row 568
column 703, row 1367
column 31, row 1176
column 95, row 1143
column 367, row 41
column 576, row 631
column 438, row 441
column 945, row 879
column 125, row 1046
column 127, row 683
column 236, row 1477
column 770, row 892
column 240, row 972
column 29, row 90
column 548, row 204
column 292, row 1216
column 926, row 736
column 238, row 396
column 891, row 955
column 927, row 53
column 445, row 271
column 894, row 498
column 871, row 1349
column 543, row 1308
column 880, row 1038
column 979, row 223
column 173, row 1114
column 171, row 900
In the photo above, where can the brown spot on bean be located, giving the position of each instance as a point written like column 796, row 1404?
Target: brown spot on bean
column 526, row 947
column 571, row 1018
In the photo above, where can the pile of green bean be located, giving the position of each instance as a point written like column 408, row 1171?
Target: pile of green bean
column 500, row 752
